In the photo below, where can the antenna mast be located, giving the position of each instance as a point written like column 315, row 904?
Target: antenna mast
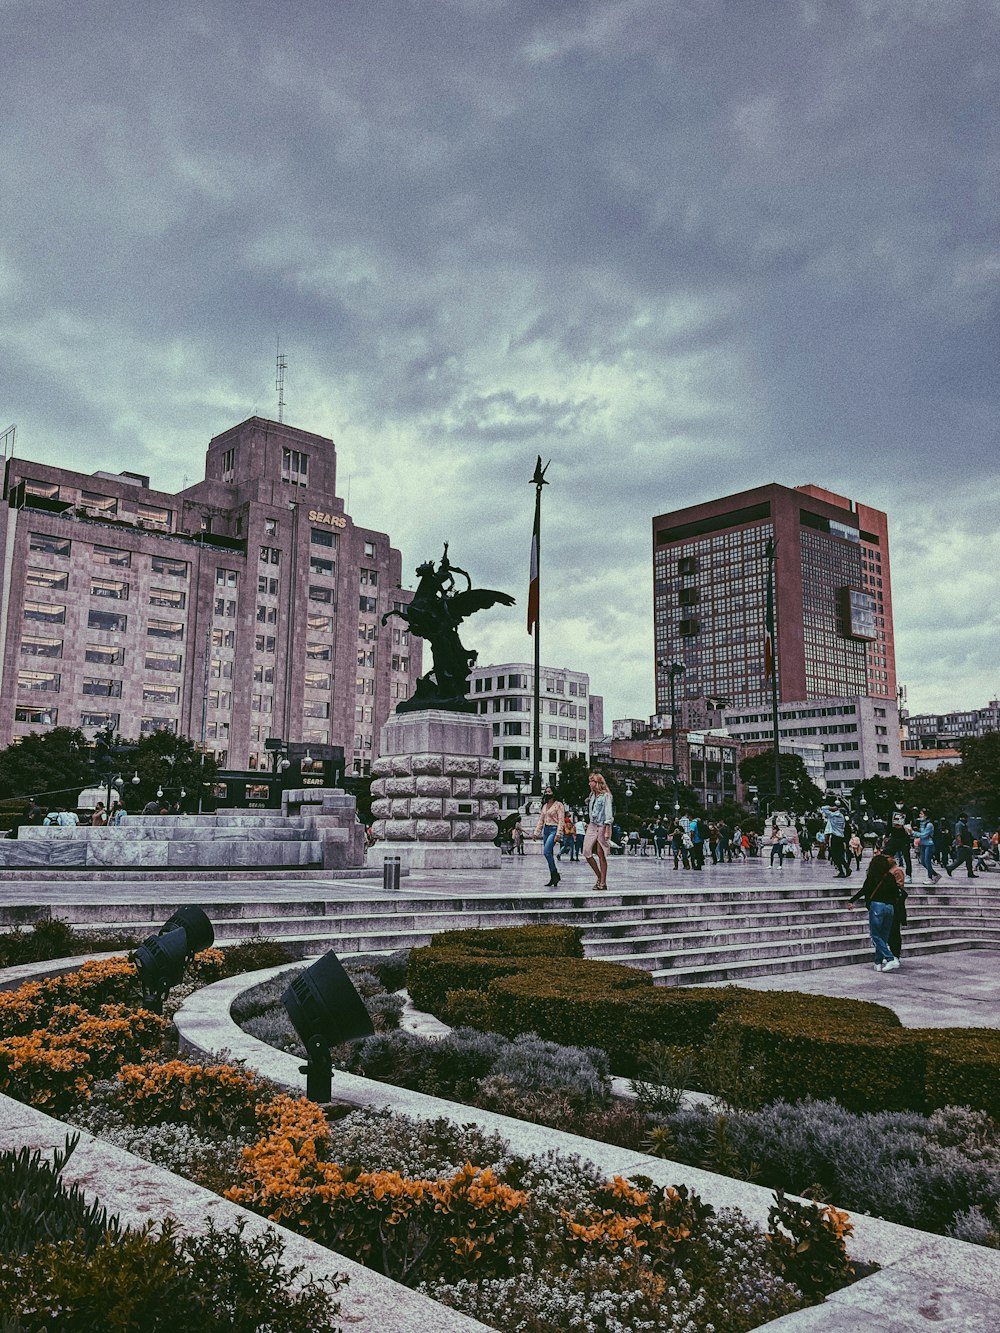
column 279, row 383
column 7, row 441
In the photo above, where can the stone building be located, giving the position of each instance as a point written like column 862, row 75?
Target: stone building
column 245, row 607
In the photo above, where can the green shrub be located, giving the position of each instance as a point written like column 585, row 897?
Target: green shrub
column 254, row 955
column 963, row 1068
column 38, row 1207
column 516, row 941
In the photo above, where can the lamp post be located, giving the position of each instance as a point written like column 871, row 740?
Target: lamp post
column 672, row 670
column 629, row 789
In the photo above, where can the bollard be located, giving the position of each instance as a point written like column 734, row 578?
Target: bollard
column 390, row 874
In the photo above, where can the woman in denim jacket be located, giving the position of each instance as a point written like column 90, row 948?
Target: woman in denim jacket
column 600, row 817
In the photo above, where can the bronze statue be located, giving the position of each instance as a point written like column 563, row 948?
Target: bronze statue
column 434, row 614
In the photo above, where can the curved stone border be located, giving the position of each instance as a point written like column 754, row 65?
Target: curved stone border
column 923, row 1277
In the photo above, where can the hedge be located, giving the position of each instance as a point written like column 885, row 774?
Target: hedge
column 800, row 1045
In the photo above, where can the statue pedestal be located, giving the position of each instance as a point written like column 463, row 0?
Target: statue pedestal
column 435, row 792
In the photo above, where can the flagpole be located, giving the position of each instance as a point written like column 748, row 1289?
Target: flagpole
column 772, row 641
column 534, row 608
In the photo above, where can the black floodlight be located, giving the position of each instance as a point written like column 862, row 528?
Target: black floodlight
column 325, row 1010
column 161, row 959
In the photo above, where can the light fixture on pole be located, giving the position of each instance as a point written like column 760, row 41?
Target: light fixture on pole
column 161, row 958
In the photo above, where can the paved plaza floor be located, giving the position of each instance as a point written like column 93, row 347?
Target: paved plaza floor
column 953, row 989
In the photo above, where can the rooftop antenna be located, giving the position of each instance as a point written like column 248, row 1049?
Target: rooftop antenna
column 7, row 442
column 279, row 383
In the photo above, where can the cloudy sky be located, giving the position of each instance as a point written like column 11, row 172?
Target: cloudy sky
column 680, row 247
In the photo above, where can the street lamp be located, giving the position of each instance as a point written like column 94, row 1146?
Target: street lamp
column 672, row 670
column 629, row 789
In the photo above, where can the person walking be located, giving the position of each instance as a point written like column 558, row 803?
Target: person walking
column 962, row 847
column 600, row 819
column 566, row 843
column 100, row 816
column 881, row 895
column 549, row 828
column 899, row 836
column 579, row 833
column 925, row 842
column 836, row 833
column 855, row 850
column 777, row 845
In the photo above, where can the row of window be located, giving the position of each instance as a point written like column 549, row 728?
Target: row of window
column 51, row 681
column 54, row 613
column 39, row 716
column 106, row 506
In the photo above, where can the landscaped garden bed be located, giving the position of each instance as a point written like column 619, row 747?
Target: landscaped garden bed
column 532, row 1243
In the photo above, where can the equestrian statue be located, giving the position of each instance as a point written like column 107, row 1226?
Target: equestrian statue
column 434, row 614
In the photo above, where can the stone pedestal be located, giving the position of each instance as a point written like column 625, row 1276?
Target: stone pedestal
column 436, row 792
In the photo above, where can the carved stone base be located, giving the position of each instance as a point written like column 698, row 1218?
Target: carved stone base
column 435, row 791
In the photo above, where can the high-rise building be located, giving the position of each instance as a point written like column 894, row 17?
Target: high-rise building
column 832, row 599
column 503, row 693
column 245, row 607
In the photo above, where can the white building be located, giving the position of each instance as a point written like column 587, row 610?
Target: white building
column 859, row 736
column 503, row 693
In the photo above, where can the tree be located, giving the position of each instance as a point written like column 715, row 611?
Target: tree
column 571, row 780
column 168, row 763
column 53, row 766
column 798, row 791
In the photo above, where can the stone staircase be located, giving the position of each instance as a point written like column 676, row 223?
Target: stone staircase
column 315, row 827
column 683, row 935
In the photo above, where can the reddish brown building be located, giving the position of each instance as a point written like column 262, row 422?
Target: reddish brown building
column 245, row 607
column 833, row 601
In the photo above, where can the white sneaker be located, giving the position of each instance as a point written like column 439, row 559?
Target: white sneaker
column 878, row 967
column 891, row 965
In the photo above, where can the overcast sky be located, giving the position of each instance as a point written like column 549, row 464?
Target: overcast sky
column 680, row 247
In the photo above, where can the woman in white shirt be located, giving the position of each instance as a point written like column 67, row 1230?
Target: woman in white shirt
column 600, row 815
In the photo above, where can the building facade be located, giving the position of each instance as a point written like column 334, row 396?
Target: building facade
column 832, row 599
column 841, row 740
column 246, row 607
column 503, row 693
column 930, row 731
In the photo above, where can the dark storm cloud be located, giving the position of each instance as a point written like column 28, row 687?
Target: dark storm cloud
column 679, row 249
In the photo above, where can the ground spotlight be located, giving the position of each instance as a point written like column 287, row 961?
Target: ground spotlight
column 160, row 960
column 325, row 1010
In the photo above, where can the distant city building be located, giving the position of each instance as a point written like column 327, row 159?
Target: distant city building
column 246, row 607
column 503, row 693
column 929, row 731
column 708, row 763
column 624, row 728
column 596, row 716
column 856, row 738
column 928, row 761
column 833, row 600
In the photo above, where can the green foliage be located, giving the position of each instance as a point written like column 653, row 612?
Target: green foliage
column 38, row 1208
column 798, row 791
column 53, row 766
column 172, row 762
column 54, row 938
column 163, row 1282
column 810, row 1244
column 254, row 955
column 665, row 1073
column 516, row 941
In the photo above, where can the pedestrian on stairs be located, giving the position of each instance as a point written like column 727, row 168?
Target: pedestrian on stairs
column 882, row 894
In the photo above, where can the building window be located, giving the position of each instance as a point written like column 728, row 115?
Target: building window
column 270, row 555
column 111, row 688
column 400, row 663
column 322, row 567
column 226, row 578
column 294, row 467
column 162, row 661
column 224, row 606
column 267, row 585
column 111, row 555
column 270, row 527
column 370, row 550
column 165, row 629
column 229, row 464
column 111, row 622
column 264, row 643
column 367, row 604
column 54, row 580
column 100, row 720
column 161, row 694
column 322, row 537
column 39, row 680
column 45, row 490
column 267, row 615
column 223, row 638
column 153, row 516
column 315, row 708
column 115, row 588
column 35, row 647
column 40, row 543
column 221, row 699
column 177, row 569
column 318, row 680
column 319, row 624
column 37, row 715
column 220, row 669
column 48, row 613
column 369, row 577
column 101, row 504
column 262, row 703
column 148, row 725
column 104, row 656
column 319, row 652
column 263, row 675
column 317, row 593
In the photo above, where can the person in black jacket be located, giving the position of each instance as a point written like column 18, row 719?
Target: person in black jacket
column 962, row 848
column 881, row 892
